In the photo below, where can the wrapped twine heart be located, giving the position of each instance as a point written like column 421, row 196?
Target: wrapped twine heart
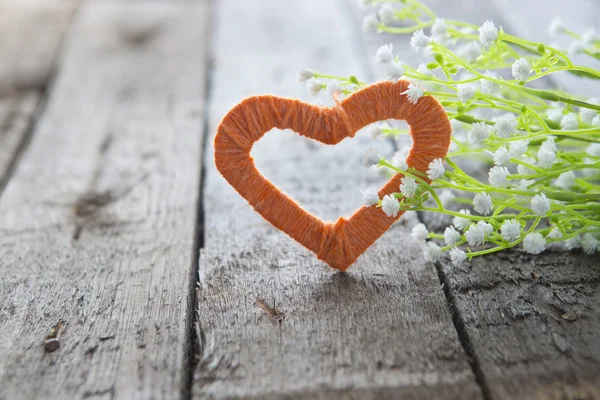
column 339, row 244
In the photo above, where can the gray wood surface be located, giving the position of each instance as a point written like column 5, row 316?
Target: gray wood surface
column 97, row 224
column 381, row 330
column 30, row 35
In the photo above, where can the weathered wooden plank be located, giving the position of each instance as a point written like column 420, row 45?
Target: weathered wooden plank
column 382, row 330
column 98, row 222
column 30, row 34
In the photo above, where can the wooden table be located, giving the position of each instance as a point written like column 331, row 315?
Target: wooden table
column 110, row 200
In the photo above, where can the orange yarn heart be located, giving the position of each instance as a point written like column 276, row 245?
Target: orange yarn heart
column 338, row 244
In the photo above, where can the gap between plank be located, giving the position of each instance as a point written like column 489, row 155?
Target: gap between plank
column 194, row 334
column 45, row 91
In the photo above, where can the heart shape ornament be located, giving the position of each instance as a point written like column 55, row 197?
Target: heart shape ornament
column 339, row 243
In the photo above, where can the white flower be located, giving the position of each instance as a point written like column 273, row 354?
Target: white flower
column 518, row 147
column 439, row 28
column 314, row 86
column 589, row 37
column 482, row 202
column 555, row 114
column 384, row 54
column 393, row 71
column 540, row 205
column 387, row 13
column 569, row 122
column 466, row 92
column 433, row 252
column 506, row 125
column 479, row 132
column 534, row 243
column 521, row 69
column 423, row 70
column 460, row 222
column 587, row 114
column 566, row 180
column 589, row 244
column 476, row 234
column 414, row 93
column 556, row 27
column 593, row 150
column 596, row 120
column 555, row 234
column 334, row 89
column 486, row 86
column 370, row 23
column 470, row 52
column 497, row 176
column 510, row 230
column 524, row 170
column 501, row 156
column 451, row 236
column 446, row 197
column 408, row 187
column 457, row 256
column 547, row 158
column 304, row 74
column 436, row 169
column 419, row 41
column 370, row 158
column 399, row 160
column 487, row 34
column 375, row 129
column 419, row 232
column 576, row 47
column 549, row 144
column 370, row 197
column 573, row 243
column 390, row 205
column 525, row 183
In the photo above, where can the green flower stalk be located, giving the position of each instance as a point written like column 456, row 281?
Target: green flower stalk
column 540, row 148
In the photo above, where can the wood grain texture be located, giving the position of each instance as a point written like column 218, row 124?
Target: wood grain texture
column 513, row 310
column 381, row 330
column 30, row 35
column 98, row 221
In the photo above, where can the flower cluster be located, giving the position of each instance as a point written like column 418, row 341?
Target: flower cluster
column 539, row 149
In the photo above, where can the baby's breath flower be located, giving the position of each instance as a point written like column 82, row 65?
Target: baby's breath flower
column 572, row 243
column 576, row 47
column 549, row 144
column 466, row 92
column 387, row 13
column 485, row 85
column 589, row 244
column 423, row 70
column 569, row 122
column 546, row 158
column 470, row 52
column 587, row 115
column 399, row 160
column 555, row 114
column 589, row 37
column 375, row 129
column 475, row 235
column 524, row 170
column 419, row 41
column 433, row 252
column 446, row 197
column 384, row 54
column 593, row 150
column 555, row 234
column 518, row 147
column 497, row 176
column 419, row 232
column 510, row 230
column 521, row 69
column 457, row 256
column 408, row 187
column 334, row 89
column 556, row 27
column 460, row 222
column 370, row 23
column 501, row 156
column 393, row 71
column 479, row 132
column 439, row 28
column 566, row 180
column 540, row 204
column 304, row 74
column 370, row 197
column 414, row 93
column 482, row 203
column 534, row 243
column 314, row 86
column 506, row 125
column 436, row 169
column 488, row 34
column 390, row 205
column 370, row 158
column 451, row 236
